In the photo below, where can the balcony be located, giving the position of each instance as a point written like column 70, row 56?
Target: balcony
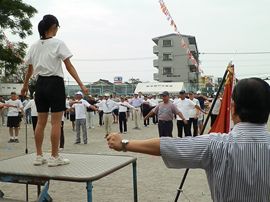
column 155, row 50
column 155, row 63
column 156, row 76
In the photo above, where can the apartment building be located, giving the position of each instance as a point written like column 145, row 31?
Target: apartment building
column 172, row 62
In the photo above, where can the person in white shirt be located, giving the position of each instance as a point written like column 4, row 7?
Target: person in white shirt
column 154, row 102
column 216, row 109
column 13, row 121
column 193, row 115
column 107, row 106
column 123, row 107
column 184, row 105
column 27, row 113
column 32, row 105
column 44, row 60
column 100, row 111
column 115, row 112
column 80, row 106
column 90, row 112
column 136, row 102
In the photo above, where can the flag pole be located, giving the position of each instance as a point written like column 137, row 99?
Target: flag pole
column 180, row 190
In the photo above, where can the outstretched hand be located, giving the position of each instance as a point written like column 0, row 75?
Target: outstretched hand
column 24, row 91
column 84, row 90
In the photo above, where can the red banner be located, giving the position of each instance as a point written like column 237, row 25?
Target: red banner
column 223, row 121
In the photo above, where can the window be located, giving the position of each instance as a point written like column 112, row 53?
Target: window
column 167, row 43
column 192, row 40
column 192, row 68
column 167, row 56
column 167, row 70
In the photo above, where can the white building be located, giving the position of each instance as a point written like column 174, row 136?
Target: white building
column 172, row 63
column 7, row 88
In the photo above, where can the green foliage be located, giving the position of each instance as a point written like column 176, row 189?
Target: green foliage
column 14, row 17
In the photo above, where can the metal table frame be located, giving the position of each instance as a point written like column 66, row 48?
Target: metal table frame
column 45, row 174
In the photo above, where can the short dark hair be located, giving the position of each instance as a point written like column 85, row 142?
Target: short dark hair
column 13, row 93
column 252, row 97
column 45, row 24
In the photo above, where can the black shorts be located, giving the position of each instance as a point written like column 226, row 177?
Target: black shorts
column 13, row 121
column 72, row 117
column 50, row 94
column 116, row 112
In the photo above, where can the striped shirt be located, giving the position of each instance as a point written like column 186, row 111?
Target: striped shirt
column 237, row 165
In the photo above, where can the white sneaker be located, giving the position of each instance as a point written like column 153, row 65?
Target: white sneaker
column 39, row 160
column 58, row 161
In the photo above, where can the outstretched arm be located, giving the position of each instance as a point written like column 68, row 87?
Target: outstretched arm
column 149, row 146
column 151, row 113
column 70, row 68
column 200, row 109
column 26, row 80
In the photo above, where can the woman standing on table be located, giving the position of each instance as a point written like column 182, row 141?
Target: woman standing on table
column 44, row 61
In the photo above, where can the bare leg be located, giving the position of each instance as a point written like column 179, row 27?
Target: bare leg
column 39, row 132
column 11, row 132
column 73, row 125
column 56, row 118
column 16, row 129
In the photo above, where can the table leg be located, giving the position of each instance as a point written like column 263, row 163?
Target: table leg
column 38, row 189
column 89, row 188
column 1, row 194
column 134, row 168
column 26, row 191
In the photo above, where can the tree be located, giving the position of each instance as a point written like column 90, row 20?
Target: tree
column 134, row 81
column 14, row 17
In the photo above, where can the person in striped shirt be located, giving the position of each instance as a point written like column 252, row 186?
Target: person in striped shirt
column 237, row 164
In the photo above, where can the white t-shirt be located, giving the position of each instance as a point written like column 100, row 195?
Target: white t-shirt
column 99, row 105
column 46, row 56
column 80, row 109
column 14, row 111
column 124, row 105
column 154, row 102
column 193, row 113
column 184, row 106
column 108, row 105
column 31, row 104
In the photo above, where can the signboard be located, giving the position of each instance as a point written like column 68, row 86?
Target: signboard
column 118, row 79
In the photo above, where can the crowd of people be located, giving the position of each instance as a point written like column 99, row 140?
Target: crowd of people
column 81, row 110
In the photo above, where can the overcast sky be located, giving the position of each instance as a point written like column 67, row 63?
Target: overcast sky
column 98, row 30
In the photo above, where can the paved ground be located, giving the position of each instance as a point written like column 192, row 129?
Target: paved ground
column 155, row 181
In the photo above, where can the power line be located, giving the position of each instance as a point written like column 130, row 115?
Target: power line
column 235, row 53
column 151, row 58
column 114, row 59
